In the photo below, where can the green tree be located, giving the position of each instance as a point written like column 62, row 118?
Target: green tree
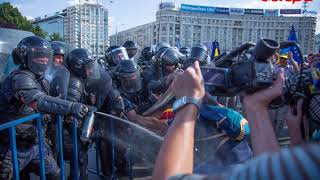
column 55, row 37
column 39, row 32
column 11, row 15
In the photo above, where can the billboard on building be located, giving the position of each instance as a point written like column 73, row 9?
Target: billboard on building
column 167, row 5
column 271, row 12
column 236, row 11
column 193, row 8
column 204, row 9
column 253, row 11
column 219, row 10
column 290, row 11
column 310, row 12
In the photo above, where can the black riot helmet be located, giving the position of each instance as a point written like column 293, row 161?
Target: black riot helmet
column 161, row 46
column 33, row 53
column 185, row 51
column 199, row 52
column 114, row 54
column 146, row 53
column 59, row 51
column 129, row 75
column 169, row 56
column 131, row 48
column 82, row 63
column 169, row 59
column 58, row 48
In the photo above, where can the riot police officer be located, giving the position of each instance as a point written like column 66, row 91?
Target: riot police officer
column 145, row 58
column 161, row 46
column 25, row 92
column 167, row 61
column 135, row 101
column 58, row 76
column 83, row 67
column 131, row 85
column 58, row 52
column 113, row 55
column 199, row 52
column 131, row 48
column 58, row 72
column 186, row 52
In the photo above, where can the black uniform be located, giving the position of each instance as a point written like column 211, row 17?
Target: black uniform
column 23, row 93
column 82, row 67
column 132, row 48
column 128, row 97
column 145, row 58
column 132, row 87
column 166, row 62
column 113, row 55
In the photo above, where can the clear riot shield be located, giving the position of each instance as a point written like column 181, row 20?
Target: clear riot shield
column 9, row 39
column 127, row 149
column 58, row 76
column 98, row 89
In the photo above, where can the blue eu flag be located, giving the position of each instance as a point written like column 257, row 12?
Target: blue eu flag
column 293, row 49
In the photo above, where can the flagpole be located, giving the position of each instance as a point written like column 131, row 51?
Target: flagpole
column 159, row 21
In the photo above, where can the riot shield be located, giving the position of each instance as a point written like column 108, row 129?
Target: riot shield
column 98, row 89
column 58, row 76
column 9, row 39
column 126, row 146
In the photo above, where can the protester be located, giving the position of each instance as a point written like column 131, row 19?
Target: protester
column 289, row 65
column 176, row 154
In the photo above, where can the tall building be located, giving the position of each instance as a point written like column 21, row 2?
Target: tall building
column 190, row 24
column 143, row 35
column 86, row 26
column 317, row 46
column 51, row 23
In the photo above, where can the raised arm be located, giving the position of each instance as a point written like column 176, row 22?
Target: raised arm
column 176, row 153
column 256, row 106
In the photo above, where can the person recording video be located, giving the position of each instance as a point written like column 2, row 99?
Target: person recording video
column 175, row 158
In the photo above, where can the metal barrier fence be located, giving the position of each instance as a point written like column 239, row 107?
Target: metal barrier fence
column 38, row 117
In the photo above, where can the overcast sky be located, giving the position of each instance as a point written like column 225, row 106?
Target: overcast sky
column 130, row 13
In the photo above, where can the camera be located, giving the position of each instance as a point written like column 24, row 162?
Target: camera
column 300, row 85
column 247, row 68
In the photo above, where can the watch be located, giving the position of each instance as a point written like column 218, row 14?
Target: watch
column 181, row 102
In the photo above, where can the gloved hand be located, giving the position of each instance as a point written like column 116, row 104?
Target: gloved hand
column 118, row 105
column 79, row 110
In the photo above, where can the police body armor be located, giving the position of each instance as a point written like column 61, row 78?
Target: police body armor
column 11, row 107
column 75, row 89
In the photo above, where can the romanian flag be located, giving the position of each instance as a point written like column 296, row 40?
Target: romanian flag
column 167, row 114
column 215, row 51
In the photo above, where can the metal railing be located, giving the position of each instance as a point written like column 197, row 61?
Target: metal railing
column 38, row 118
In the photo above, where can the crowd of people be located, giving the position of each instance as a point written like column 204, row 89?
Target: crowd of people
column 202, row 134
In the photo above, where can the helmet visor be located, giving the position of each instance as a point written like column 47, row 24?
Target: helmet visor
column 119, row 54
column 131, row 82
column 92, row 70
column 132, row 52
column 198, row 54
column 171, row 56
column 39, row 59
